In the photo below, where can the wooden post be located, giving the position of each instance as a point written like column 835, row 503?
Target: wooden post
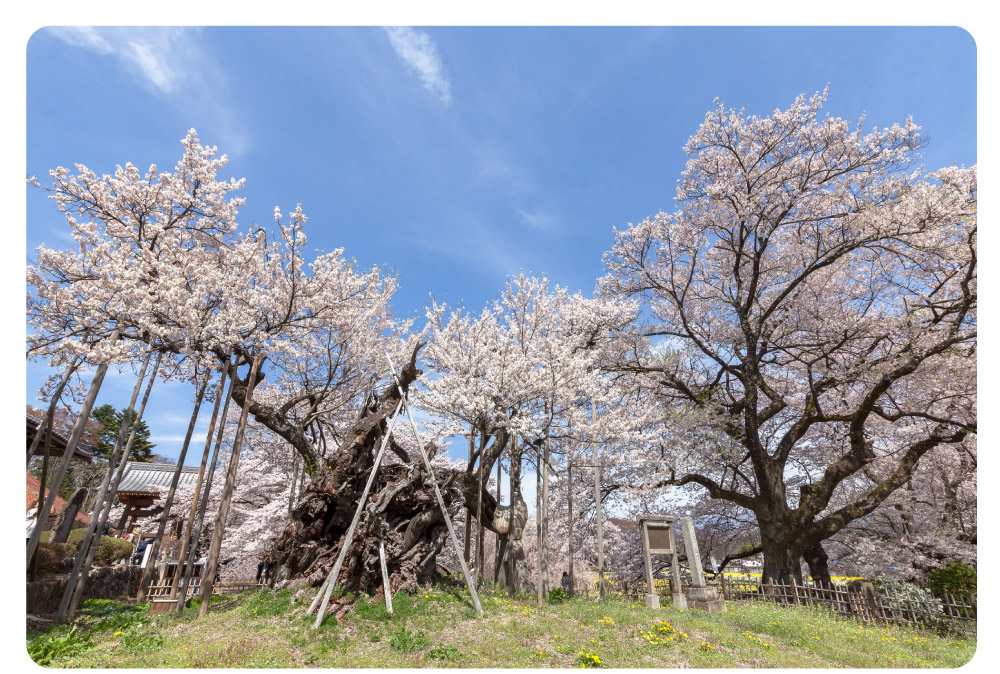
column 480, row 530
column 74, row 440
column 652, row 598
column 538, row 523
column 208, row 582
column 33, row 568
column 47, row 423
column 496, row 536
column 203, row 504
column 545, row 520
column 597, row 502
column 92, row 538
column 144, row 583
column 331, row 580
column 185, row 557
column 386, row 590
column 437, row 493
column 291, row 486
column 468, row 512
column 569, row 528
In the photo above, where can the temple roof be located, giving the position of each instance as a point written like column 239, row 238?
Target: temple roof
column 139, row 477
column 84, row 451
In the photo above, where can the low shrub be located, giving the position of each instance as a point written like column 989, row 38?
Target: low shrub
column 955, row 578
column 50, row 555
column 911, row 600
column 109, row 550
column 558, row 596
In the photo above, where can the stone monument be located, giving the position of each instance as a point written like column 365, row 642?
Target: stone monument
column 699, row 595
column 65, row 522
column 658, row 539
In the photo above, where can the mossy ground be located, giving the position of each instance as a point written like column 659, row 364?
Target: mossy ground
column 440, row 629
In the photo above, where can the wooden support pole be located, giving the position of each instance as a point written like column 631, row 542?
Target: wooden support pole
column 480, row 529
column 496, row 536
column 291, row 486
column 92, row 538
column 545, row 519
column 386, row 590
column 331, row 580
column 437, row 492
column 74, row 440
column 569, row 497
column 165, row 515
column 47, row 424
column 33, row 567
column 184, row 558
column 468, row 512
column 208, row 582
column 538, row 524
column 203, row 504
column 597, row 503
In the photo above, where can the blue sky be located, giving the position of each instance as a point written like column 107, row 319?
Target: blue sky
column 456, row 156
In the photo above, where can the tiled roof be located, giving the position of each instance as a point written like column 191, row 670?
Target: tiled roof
column 83, row 450
column 139, row 476
column 31, row 486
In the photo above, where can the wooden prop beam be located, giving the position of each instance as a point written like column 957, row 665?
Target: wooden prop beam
column 331, row 580
column 92, row 538
column 74, row 439
column 227, row 493
column 184, row 556
column 386, row 590
column 203, row 505
column 437, row 493
column 46, row 425
column 165, row 515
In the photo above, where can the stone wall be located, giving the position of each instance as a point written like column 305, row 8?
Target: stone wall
column 105, row 582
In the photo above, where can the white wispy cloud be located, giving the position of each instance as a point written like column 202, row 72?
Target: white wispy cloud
column 538, row 219
column 170, row 63
column 159, row 57
column 419, row 52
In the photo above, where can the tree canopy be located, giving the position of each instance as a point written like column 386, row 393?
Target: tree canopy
column 111, row 420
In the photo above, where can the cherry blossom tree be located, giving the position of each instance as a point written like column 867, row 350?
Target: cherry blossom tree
column 518, row 374
column 811, row 318
column 161, row 262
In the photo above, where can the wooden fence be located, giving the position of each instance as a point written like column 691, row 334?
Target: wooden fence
column 224, row 586
column 860, row 601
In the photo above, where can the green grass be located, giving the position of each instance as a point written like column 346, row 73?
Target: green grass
column 439, row 628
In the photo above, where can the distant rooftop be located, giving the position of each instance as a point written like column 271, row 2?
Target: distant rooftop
column 83, row 450
column 139, row 476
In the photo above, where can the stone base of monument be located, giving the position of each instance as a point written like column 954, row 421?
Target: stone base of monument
column 705, row 598
column 652, row 601
column 680, row 601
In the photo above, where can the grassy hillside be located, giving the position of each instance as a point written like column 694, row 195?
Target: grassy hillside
column 440, row 629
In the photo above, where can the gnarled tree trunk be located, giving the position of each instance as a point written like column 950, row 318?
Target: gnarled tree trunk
column 401, row 509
